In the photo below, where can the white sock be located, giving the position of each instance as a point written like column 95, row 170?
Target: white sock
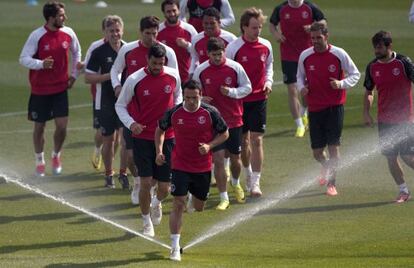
column 40, row 158
column 155, row 202
column 146, row 218
column 175, row 240
column 98, row 150
column 224, row 196
column 137, row 181
column 256, row 177
column 248, row 170
column 403, row 188
column 299, row 122
column 54, row 154
column 234, row 181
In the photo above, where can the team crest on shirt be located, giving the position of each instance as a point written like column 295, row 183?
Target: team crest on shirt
column 396, row 71
column 201, row 52
column 312, row 68
column 65, row 44
column 167, row 89
column 287, row 16
column 331, row 68
column 305, row 14
column 208, row 81
column 109, row 59
column 228, row 80
column 180, row 121
column 377, row 73
column 201, row 120
column 133, row 63
column 146, row 92
column 244, row 59
column 46, row 47
column 263, row 57
column 164, row 42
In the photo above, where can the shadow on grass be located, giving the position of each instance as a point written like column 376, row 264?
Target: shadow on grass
column 75, row 243
column 18, row 197
column 149, row 256
column 39, row 217
column 324, row 208
column 79, row 145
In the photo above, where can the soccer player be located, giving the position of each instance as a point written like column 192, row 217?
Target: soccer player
column 322, row 80
column 255, row 55
column 177, row 35
column 195, row 8
column 198, row 128
column 211, row 26
column 289, row 25
column 46, row 54
column 132, row 57
column 392, row 75
column 98, row 72
column 152, row 90
column 225, row 84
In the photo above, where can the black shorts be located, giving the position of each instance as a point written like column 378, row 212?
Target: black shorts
column 289, row 70
column 198, row 184
column 109, row 121
column 144, row 158
column 325, row 127
column 233, row 143
column 127, row 134
column 395, row 139
column 46, row 107
column 254, row 116
column 95, row 122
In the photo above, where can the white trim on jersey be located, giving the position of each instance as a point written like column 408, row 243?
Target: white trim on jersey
column 98, row 96
column 233, row 48
column 30, row 49
column 349, row 67
column 195, row 60
column 119, row 64
column 91, row 48
column 245, row 86
column 227, row 15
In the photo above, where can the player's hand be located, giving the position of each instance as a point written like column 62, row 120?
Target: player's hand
column 71, row 81
column 280, row 38
column 306, row 28
column 137, row 128
column 225, row 90
column 203, row 148
column 368, row 120
column 48, row 63
column 160, row 159
column 267, row 90
column 181, row 42
column 304, row 91
column 80, row 65
column 118, row 91
column 335, row 84
column 206, row 99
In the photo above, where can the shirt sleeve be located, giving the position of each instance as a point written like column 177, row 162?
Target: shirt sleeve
column 172, row 58
column 124, row 99
column 368, row 82
column 26, row 56
column 165, row 122
column 275, row 19
column 118, row 67
column 227, row 14
column 352, row 73
column 301, row 74
column 178, row 96
column 183, row 10
column 219, row 125
column 269, row 68
column 316, row 12
column 75, row 49
column 93, row 65
column 408, row 67
column 194, row 57
column 244, row 85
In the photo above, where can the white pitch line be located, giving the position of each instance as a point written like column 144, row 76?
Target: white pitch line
column 77, row 106
column 66, row 203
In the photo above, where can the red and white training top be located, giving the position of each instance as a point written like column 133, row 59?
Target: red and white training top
column 230, row 74
column 199, row 46
column 152, row 96
column 91, row 48
column 315, row 70
column 191, row 129
column 132, row 57
column 168, row 34
column 43, row 43
column 257, row 60
column 393, row 81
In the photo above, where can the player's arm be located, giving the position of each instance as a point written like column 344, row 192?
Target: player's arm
column 368, row 97
column 244, row 85
column 92, row 73
column 163, row 124
column 220, row 127
column 26, row 56
column 274, row 26
column 227, row 14
column 183, row 10
column 194, row 57
column 352, row 72
column 117, row 68
column 76, row 55
column 301, row 76
column 269, row 72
